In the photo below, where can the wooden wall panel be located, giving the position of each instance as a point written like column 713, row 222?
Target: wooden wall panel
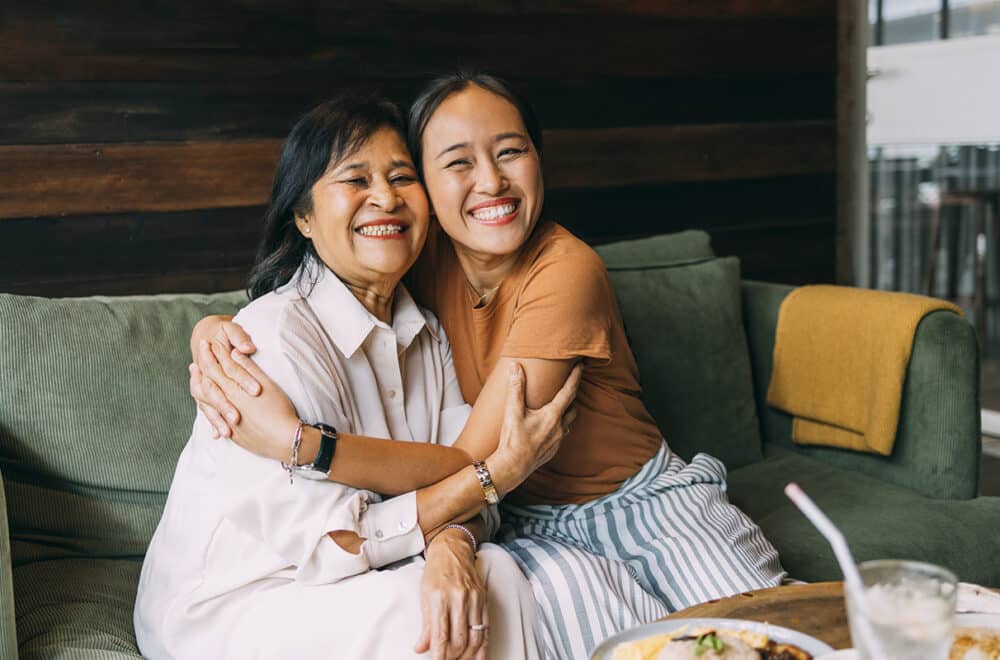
column 137, row 142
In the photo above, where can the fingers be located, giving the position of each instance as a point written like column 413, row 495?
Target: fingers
column 234, row 371
column 423, row 643
column 197, row 385
column 216, row 386
column 515, row 393
column 458, row 637
column 256, row 378
column 238, row 338
column 567, row 393
column 568, row 417
column 439, row 630
column 479, row 627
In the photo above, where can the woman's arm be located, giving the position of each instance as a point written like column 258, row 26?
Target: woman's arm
column 383, row 466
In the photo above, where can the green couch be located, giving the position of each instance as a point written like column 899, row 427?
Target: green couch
column 94, row 412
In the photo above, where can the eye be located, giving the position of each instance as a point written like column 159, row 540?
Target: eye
column 403, row 179
column 357, row 182
column 510, row 152
column 458, row 163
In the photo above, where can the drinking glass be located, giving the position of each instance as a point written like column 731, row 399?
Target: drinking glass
column 906, row 612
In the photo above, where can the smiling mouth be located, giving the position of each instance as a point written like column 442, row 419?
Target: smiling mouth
column 382, row 230
column 496, row 214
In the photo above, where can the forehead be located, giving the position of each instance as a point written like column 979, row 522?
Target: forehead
column 386, row 144
column 472, row 113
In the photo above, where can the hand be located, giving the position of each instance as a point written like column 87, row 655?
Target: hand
column 222, row 335
column 530, row 438
column 268, row 421
column 452, row 598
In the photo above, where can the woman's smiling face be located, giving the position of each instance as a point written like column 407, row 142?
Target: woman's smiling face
column 482, row 172
column 369, row 212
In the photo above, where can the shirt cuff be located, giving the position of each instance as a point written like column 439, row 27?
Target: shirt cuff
column 391, row 530
column 491, row 517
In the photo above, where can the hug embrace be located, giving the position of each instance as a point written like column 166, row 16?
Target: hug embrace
column 424, row 437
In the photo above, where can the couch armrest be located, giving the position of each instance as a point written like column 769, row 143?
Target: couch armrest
column 938, row 442
column 8, row 622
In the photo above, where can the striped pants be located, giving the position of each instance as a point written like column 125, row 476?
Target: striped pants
column 668, row 538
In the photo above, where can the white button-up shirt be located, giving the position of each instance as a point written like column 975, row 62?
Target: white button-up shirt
column 233, row 523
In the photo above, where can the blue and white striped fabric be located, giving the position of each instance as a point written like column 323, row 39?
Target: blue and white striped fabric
column 667, row 539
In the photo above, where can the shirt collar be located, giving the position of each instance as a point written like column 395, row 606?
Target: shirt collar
column 346, row 320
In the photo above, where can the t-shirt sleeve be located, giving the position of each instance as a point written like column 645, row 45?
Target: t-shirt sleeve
column 564, row 309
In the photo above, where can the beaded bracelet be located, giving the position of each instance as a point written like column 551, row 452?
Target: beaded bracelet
column 475, row 545
column 296, row 443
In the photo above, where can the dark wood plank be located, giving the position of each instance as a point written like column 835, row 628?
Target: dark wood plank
column 126, row 245
column 204, row 281
column 204, row 42
column 668, row 154
column 75, row 112
column 794, row 255
column 601, row 216
column 50, row 180
column 76, row 179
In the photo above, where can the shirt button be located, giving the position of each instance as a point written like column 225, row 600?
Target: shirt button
column 378, row 533
column 402, row 526
column 392, row 394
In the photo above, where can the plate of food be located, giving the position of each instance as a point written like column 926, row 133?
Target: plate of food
column 710, row 639
column 977, row 637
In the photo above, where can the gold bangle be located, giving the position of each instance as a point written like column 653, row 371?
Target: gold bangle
column 486, row 481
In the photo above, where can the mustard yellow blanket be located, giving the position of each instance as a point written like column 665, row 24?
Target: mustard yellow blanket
column 840, row 359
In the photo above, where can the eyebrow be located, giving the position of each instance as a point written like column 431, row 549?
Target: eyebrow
column 361, row 166
column 499, row 137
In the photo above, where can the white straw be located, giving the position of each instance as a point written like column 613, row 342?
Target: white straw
column 830, row 531
column 844, row 558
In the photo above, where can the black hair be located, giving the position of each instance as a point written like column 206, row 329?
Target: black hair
column 439, row 89
column 326, row 134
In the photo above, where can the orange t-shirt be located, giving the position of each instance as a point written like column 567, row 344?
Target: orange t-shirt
column 556, row 304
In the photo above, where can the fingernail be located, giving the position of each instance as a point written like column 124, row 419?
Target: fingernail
column 231, row 416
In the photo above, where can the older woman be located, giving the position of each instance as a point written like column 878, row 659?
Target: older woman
column 616, row 529
column 254, row 561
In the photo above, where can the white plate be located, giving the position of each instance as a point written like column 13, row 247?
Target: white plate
column 973, row 620
column 962, row 620
column 777, row 633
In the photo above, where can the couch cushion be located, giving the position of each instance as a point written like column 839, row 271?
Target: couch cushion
column 95, row 412
column 880, row 520
column 662, row 249
column 684, row 322
column 76, row 608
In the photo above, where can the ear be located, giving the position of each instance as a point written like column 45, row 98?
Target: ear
column 304, row 225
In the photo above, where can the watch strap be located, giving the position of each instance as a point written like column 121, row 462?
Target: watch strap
column 486, row 482
column 327, row 448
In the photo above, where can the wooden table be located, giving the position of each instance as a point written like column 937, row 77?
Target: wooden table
column 814, row 609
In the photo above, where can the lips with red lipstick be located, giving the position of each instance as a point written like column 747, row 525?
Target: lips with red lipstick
column 382, row 229
column 496, row 211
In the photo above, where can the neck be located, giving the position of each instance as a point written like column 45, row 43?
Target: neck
column 377, row 298
column 485, row 272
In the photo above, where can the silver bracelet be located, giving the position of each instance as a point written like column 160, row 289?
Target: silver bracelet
column 475, row 545
column 296, row 443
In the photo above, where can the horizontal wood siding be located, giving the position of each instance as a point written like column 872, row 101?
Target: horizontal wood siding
column 137, row 144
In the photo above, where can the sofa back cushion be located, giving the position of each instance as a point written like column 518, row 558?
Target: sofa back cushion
column 94, row 411
column 685, row 325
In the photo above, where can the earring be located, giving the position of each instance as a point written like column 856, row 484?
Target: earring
column 307, row 229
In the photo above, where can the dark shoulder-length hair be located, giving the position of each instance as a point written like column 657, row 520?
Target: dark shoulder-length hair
column 325, row 135
column 439, row 89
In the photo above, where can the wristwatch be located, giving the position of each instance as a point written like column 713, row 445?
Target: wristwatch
column 486, row 481
column 319, row 469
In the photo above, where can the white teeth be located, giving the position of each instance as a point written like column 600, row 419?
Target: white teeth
column 380, row 230
column 494, row 212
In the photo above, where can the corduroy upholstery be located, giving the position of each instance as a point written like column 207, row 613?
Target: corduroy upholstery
column 94, row 412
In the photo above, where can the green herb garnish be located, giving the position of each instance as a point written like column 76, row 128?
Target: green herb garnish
column 708, row 642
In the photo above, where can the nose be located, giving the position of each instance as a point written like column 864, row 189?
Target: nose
column 383, row 195
column 489, row 179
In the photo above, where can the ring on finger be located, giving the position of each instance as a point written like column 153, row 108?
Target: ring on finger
column 478, row 626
